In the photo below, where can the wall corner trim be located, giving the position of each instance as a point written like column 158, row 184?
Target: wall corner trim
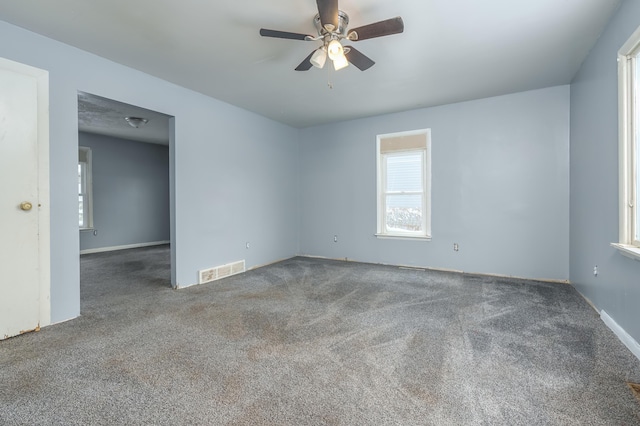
column 624, row 337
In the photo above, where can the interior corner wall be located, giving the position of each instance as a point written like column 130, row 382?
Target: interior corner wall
column 500, row 187
column 235, row 175
column 130, row 192
column 594, row 179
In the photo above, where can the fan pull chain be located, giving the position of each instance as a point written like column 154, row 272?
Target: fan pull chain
column 329, row 83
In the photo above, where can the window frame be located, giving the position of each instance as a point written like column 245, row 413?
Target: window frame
column 381, row 193
column 87, row 183
column 629, row 144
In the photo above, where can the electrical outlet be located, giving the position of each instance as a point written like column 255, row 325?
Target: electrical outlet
column 455, row 247
column 335, row 238
column 595, row 271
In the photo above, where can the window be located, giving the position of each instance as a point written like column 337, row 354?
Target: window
column 629, row 134
column 404, row 184
column 85, row 199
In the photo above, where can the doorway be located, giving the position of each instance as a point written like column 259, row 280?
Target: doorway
column 125, row 182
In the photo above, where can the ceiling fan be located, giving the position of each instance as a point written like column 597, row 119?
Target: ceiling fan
column 331, row 25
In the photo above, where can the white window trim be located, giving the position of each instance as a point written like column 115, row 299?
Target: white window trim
column 426, row 214
column 88, row 205
column 626, row 139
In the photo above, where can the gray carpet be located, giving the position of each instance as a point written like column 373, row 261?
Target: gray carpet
column 310, row 341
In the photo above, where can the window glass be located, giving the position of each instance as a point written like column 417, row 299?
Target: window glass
column 629, row 146
column 85, row 217
column 636, row 120
column 404, row 192
column 81, row 192
column 403, row 184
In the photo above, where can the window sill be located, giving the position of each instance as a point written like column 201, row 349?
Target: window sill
column 87, row 229
column 631, row 252
column 402, row 237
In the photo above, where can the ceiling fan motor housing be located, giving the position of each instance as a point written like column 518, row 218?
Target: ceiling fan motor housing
column 343, row 23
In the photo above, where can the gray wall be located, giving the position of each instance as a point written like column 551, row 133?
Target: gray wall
column 500, row 184
column 594, row 179
column 235, row 173
column 130, row 192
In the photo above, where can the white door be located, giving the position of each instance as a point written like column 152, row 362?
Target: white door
column 24, row 210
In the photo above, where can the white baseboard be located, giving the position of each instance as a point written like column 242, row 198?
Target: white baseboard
column 125, row 247
column 624, row 337
column 430, row 268
column 270, row 263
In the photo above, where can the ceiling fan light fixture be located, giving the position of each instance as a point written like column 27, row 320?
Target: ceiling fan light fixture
column 136, row 122
column 335, row 50
column 332, row 26
column 318, row 58
column 340, row 63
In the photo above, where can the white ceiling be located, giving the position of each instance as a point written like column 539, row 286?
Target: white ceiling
column 450, row 51
column 107, row 117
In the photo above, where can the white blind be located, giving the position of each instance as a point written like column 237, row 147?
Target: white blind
column 404, row 172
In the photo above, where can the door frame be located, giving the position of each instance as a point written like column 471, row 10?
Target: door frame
column 44, row 227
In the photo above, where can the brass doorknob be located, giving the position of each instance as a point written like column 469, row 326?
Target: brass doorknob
column 26, row 206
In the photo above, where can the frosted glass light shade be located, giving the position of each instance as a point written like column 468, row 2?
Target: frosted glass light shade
column 136, row 122
column 318, row 58
column 334, row 49
column 340, row 62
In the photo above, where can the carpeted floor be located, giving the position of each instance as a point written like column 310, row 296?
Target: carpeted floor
column 309, row 341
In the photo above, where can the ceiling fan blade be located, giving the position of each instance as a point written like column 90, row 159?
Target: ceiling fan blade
column 306, row 64
column 361, row 61
column 282, row 34
column 328, row 10
column 378, row 29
